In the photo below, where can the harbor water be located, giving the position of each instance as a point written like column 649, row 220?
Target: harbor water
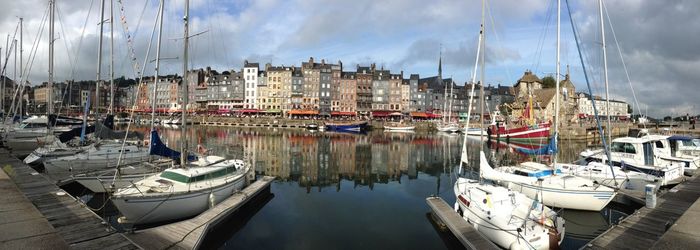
column 358, row 191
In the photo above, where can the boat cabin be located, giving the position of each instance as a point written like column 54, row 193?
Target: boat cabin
column 184, row 175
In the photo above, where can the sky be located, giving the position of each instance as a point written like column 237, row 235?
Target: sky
column 657, row 41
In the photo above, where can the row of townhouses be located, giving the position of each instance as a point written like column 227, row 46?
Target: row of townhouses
column 323, row 89
column 315, row 88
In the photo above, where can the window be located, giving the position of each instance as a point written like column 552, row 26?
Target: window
column 659, row 144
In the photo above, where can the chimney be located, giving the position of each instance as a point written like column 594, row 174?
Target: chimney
column 311, row 60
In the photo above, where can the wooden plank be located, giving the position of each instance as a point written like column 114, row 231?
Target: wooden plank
column 71, row 220
column 646, row 227
column 465, row 233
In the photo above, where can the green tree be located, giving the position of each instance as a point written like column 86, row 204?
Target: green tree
column 548, row 82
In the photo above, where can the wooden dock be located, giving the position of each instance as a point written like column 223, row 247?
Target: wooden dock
column 77, row 226
column 21, row 224
column 189, row 234
column 647, row 226
column 465, row 233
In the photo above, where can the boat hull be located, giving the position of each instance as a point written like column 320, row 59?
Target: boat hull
column 356, row 127
column 565, row 198
column 153, row 209
column 525, row 133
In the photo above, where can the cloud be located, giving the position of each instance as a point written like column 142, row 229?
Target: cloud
column 658, row 39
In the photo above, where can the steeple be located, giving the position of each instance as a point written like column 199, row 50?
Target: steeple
column 440, row 66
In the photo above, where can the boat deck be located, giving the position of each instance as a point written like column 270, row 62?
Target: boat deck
column 189, row 234
column 666, row 225
column 465, row 233
column 76, row 226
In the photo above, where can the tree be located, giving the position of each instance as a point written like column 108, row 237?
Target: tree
column 548, row 82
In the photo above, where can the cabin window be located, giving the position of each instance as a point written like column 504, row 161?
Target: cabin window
column 621, row 147
column 659, row 144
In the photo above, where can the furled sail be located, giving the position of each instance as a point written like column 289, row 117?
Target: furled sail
column 159, row 148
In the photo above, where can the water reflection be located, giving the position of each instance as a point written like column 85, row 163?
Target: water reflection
column 360, row 191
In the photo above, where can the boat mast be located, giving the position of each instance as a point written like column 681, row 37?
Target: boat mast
column 605, row 70
column 99, row 60
column 155, row 78
column 483, row 66
column 185, row 86
column 449, row 109
column 21, row 26
column 556, row 95
column 49, row 92
column 111, row 57
column 444, row 98
column 465, row 158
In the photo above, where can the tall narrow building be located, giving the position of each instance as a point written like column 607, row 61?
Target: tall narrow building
column 250, row 73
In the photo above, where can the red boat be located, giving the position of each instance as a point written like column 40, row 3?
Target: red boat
column 522, row 133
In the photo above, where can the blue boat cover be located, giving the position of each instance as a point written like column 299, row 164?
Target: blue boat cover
column 159, row 148
column 548, row 149
column 680, row 138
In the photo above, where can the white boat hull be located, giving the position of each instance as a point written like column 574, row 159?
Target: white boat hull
column 565, row 198
column 169, row 207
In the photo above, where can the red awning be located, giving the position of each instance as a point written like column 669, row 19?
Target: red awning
column 380, row 113
column 419, row 114
column 431, row 115
column 340, row 113
column 302, row 112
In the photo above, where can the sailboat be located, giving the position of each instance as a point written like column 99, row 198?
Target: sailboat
column 631, row 158
column 548, row 183
column 101, row 155
column 198, row 183
column 25, row 138
column 506, row 217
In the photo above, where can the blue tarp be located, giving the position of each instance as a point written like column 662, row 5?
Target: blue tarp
column 548, row 149
column 159, row 148
column 680, row 138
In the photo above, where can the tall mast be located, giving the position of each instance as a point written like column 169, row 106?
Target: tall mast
column 99, row 59
column 465, row 158
column 14, row 67
column 556, row 95
column 483, row 66
column 185, row 85
column 111, row 57
column 444, row 98
column 49, row 93
column 605, row 70
column 21, row 21
column 449, row 108
column 155, row 78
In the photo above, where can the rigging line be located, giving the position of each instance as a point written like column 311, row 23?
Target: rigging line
column 80, row 41
column 624, row 65
column 7, row 53
column 32, row 53
column 595, row 110
column 498, row 41
column 72, row 65
column 139, row 85
column 543, row 35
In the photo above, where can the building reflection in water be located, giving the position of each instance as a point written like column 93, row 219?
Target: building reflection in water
column 320, row 160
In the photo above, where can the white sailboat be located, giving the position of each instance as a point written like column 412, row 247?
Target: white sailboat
column 185, row 190
column 506, row 217
column 548, row 183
